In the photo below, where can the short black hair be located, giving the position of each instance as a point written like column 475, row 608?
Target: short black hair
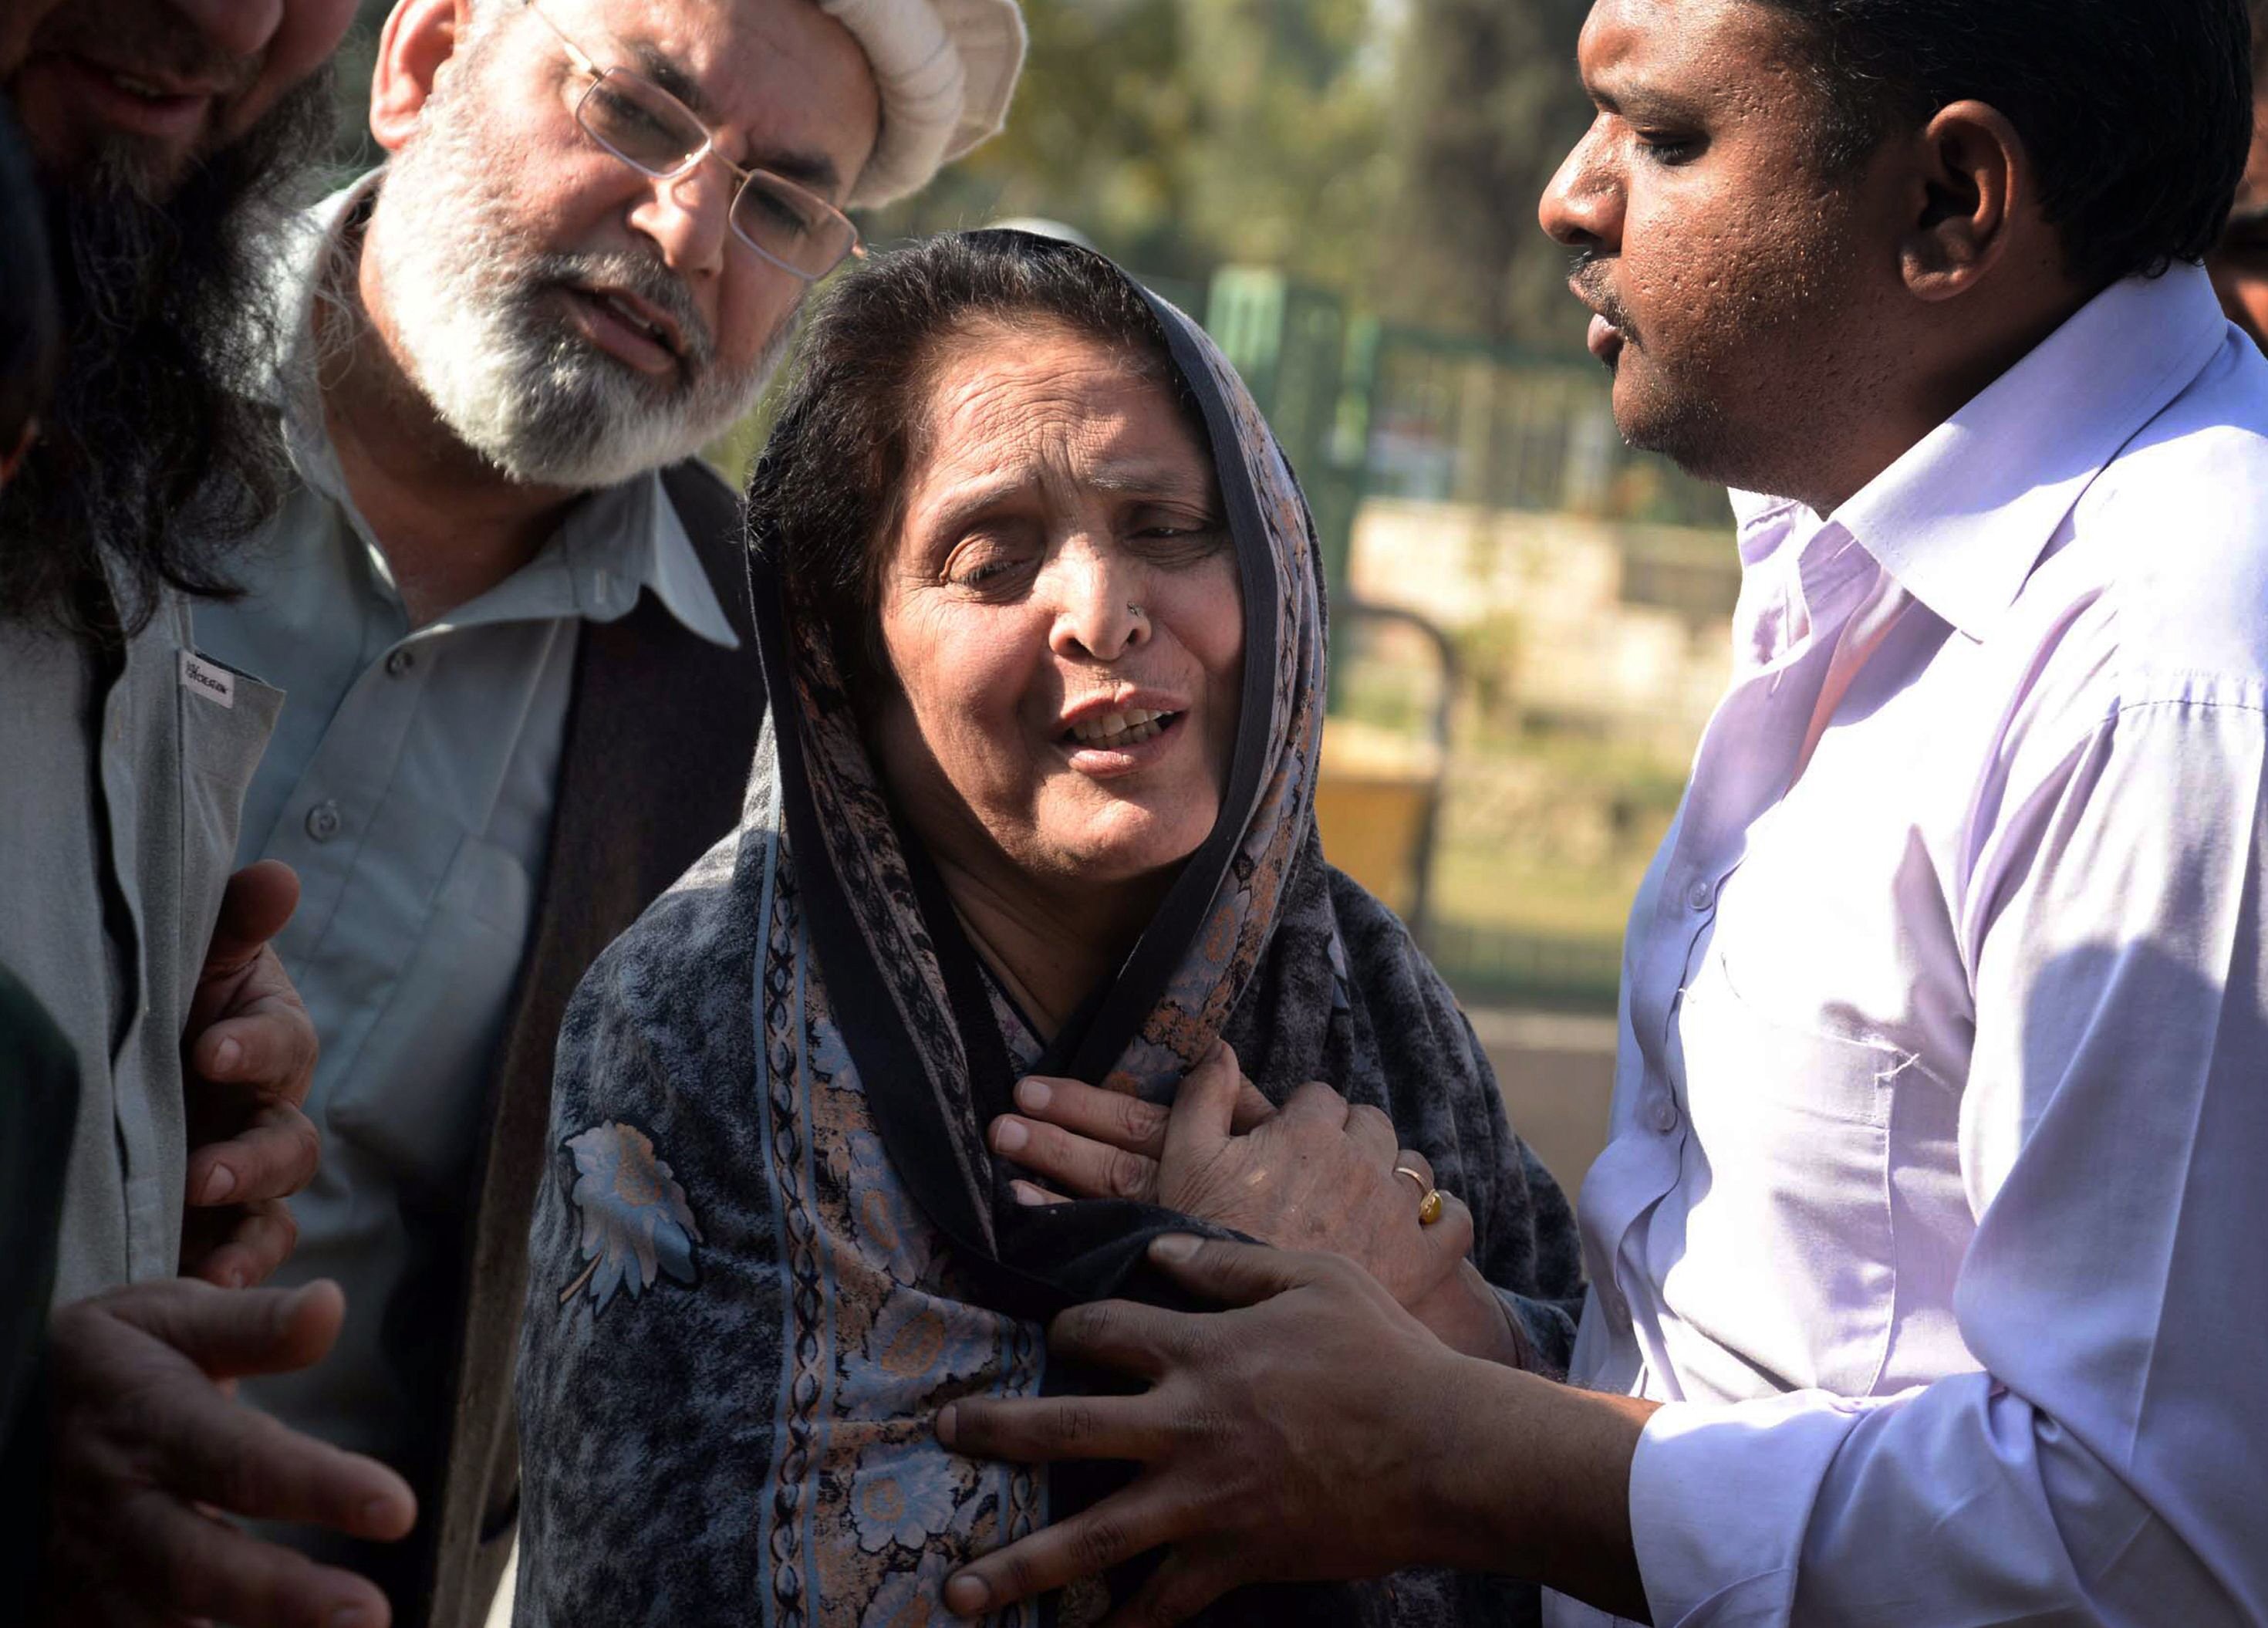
column 2138, row 113
column 31, row 326
column 828, row 492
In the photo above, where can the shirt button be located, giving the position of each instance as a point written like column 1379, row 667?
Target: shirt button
column 1662, row 1112
column 400, row 662
column 323, row 821
column 1701, row 895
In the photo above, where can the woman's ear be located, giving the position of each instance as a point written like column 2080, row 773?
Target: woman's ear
column 419, row 39
column 1971, row 183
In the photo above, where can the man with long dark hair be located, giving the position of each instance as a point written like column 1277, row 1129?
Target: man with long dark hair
column 165, row 133
column 1926, row 1254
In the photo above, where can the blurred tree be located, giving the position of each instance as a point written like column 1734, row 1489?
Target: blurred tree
column 1178, row 134
column 1486, row 103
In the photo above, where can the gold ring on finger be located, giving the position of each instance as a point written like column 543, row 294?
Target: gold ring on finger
column 1429, row 1200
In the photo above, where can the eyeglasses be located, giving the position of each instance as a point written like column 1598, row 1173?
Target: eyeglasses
column 637, row 121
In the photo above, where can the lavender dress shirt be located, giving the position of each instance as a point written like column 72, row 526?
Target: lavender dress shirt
column 1936, row 1205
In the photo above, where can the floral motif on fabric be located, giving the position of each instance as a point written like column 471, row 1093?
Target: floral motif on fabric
column 868, row 1514
column 636, row 1222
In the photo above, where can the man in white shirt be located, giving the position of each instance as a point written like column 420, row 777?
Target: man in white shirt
column 1928, row 1251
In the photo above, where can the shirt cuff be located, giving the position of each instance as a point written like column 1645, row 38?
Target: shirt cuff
column 1720, row 1497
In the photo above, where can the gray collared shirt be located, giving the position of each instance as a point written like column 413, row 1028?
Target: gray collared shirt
column 410, row 785
column 121, row 778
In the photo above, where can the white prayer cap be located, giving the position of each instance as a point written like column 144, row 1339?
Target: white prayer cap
column 946, row 69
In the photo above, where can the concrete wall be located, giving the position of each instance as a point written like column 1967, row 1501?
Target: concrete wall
column 1620, row 627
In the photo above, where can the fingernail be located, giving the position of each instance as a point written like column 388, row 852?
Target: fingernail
column 218, row 1185
column 966, row 1595
column 948, row 1423
column 224, row 1061
column 378, row 1515
column 1173, row 1247
column 1032, row 1095
column 1009, row 1136
column 1027, row 1194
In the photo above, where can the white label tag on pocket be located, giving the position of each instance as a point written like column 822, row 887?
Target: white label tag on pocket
column 209, row 678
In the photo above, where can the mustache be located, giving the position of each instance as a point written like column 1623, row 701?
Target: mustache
column 1587, row 271
column 641, row 275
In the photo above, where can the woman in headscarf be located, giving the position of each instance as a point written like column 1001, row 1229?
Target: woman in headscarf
column 1040, row 621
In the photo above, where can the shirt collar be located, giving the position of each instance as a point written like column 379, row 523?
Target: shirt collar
column 649, row 545
column 1963, row 517
column 612, row 543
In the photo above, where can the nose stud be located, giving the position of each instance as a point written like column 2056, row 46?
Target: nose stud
column 1132, row 610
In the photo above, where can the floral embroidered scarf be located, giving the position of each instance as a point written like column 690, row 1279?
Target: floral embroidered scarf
column 772, row 1241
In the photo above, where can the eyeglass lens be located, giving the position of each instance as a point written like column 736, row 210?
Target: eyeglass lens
column 651, row 130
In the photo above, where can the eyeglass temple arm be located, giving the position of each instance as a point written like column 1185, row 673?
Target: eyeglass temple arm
column 576, row 53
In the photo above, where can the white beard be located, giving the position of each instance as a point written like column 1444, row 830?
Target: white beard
column 473, row 318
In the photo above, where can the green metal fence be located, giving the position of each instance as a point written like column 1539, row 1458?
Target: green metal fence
column 1367, row 410
column 1364, row 410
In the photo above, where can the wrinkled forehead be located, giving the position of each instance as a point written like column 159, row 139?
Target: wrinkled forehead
column 780, row 75
column 1008, row 406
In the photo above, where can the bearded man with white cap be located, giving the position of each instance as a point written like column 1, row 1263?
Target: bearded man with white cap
column 506, row 604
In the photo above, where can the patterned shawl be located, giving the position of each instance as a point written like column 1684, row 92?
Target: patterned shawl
column 773, row 1242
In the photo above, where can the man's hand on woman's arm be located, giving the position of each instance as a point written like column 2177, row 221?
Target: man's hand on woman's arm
column 249, row 1055
column 1314, row 1174
column 1317, row 1433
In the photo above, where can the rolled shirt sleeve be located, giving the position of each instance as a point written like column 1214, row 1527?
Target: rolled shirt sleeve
column 2106, row 1465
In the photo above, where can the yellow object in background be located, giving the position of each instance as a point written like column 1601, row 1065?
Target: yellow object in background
column 1374, row 803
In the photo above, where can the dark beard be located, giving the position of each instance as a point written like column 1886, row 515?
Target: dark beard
column 156, row 458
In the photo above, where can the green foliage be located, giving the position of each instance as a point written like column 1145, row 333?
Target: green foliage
column 1181, row 135
column 1390, row 151
column 1486, row 105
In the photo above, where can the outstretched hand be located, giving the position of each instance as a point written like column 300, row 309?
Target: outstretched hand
column 1318, row 1174
column 1317, row 1432
column 152, row 1452
column 249, row 1049
column 1285, row 1441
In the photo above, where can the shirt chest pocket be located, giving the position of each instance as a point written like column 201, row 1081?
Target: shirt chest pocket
column 226, row 717
column 1783, row 1274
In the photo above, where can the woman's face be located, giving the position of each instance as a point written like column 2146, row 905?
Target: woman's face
column 1062, row 612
